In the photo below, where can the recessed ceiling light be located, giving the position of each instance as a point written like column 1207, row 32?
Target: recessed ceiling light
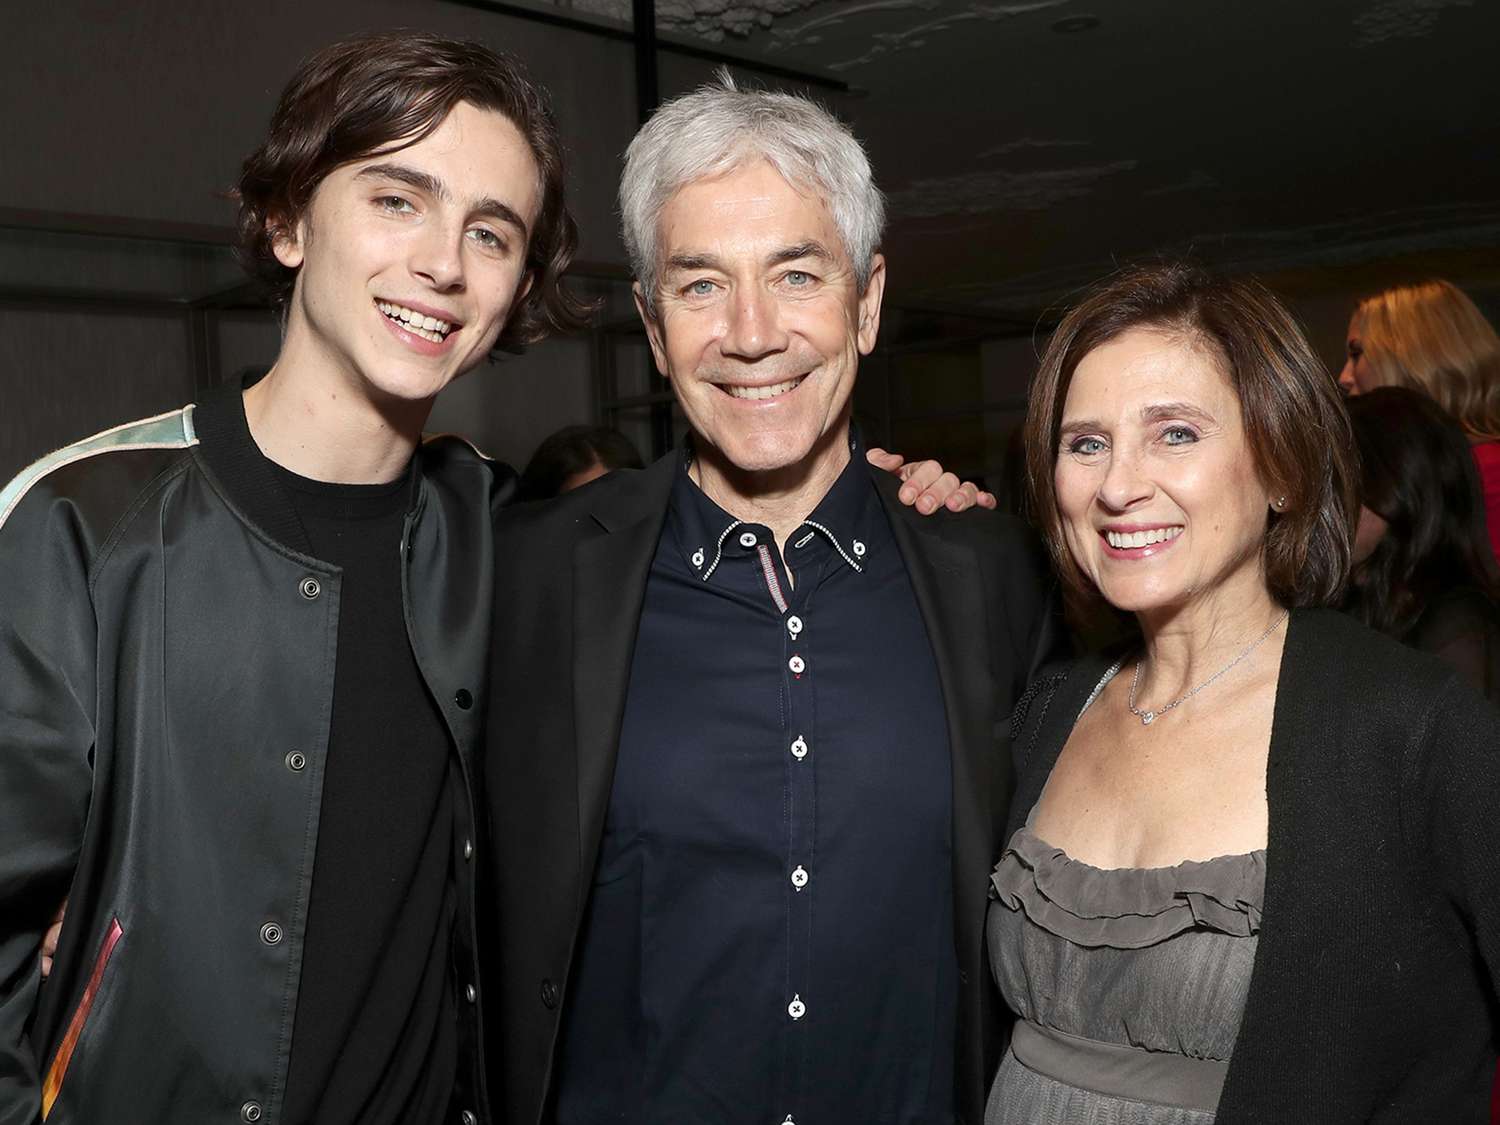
column 1074, row 24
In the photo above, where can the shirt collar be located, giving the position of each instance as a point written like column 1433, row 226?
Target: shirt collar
column 848, row 518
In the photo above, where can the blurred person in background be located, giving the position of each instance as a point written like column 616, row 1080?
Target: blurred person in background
column 1431, row 337
column 1423, row 569
column 1251, row 865
column 573, row 456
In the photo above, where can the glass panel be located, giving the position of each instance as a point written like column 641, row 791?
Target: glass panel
column 614, row 304
column 959, row 443
column 507, row 407
column 46, row 261
column 929, row 382
column 66, row 374
column 652, row 430
column 635, row 371
column 247, row 340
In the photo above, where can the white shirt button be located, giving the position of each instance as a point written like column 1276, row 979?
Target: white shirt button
column 799, row 877
column 794, row 626
column 747, row 539
column 698, row 557
column 796, row 1009
column 799, row 748
column 797, row 665
column 859, row 549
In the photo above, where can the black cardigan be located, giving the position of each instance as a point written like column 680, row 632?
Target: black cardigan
column 1372, row 996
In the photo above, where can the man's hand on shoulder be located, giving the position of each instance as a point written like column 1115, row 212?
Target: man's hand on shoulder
column 926, row 487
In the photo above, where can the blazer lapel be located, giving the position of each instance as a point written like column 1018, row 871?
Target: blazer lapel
column 946, row 578
column 610, row 569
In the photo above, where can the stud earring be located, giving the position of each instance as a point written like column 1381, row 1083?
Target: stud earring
column 1279, row 503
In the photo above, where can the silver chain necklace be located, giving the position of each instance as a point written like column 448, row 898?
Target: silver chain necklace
column 1149, row 717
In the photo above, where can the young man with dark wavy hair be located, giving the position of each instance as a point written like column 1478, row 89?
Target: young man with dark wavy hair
column 241, row 645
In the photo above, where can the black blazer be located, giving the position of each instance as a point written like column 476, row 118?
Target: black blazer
column 571, row 577
column 1373, row 989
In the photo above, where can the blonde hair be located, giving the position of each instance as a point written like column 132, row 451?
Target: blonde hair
column 1431, row 337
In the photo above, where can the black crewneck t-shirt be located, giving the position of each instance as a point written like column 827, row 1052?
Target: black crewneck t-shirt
column 376, row 1037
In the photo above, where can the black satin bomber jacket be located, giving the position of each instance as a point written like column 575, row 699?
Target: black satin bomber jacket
column 166, row 683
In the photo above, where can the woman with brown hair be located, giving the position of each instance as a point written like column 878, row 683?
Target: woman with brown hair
column 1432, row 338
column 1252, row 855
column 1423, row 569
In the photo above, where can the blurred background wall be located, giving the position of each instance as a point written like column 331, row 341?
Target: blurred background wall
column 1026, row 146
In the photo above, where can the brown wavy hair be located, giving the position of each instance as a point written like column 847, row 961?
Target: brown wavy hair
column 378, row 93
column 1294, row 416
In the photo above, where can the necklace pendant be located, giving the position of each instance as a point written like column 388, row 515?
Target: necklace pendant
column 1147, row 718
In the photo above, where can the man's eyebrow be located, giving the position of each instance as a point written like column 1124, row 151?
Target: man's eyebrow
column 500, row 211
column 808, row 249
column 431, row 185
column 412, row 177
column 690, row 262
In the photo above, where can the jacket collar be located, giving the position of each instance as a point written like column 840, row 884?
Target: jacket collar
column 632, row 495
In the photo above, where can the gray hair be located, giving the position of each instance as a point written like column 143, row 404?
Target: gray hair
column 718, row 128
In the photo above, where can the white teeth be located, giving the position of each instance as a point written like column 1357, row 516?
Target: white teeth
column 762, row 392
column 1121, row 540
column 428, row 327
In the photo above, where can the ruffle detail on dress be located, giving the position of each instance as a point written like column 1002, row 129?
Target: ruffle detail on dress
column 1129, row 907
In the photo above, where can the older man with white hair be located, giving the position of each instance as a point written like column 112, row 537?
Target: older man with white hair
column 745, row 777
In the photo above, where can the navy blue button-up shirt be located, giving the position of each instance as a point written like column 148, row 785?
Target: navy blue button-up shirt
column 770, row 930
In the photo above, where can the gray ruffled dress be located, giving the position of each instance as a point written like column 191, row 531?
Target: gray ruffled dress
column 1129, row 984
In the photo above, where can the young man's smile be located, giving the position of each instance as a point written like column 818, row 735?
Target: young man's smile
column 417, row 320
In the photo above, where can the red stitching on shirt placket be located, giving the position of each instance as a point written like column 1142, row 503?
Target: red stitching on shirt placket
column 769, row 569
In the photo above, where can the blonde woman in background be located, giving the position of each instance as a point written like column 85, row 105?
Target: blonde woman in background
column 1430, row 337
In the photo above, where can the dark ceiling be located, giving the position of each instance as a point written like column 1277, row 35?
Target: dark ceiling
column 1026, row 145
